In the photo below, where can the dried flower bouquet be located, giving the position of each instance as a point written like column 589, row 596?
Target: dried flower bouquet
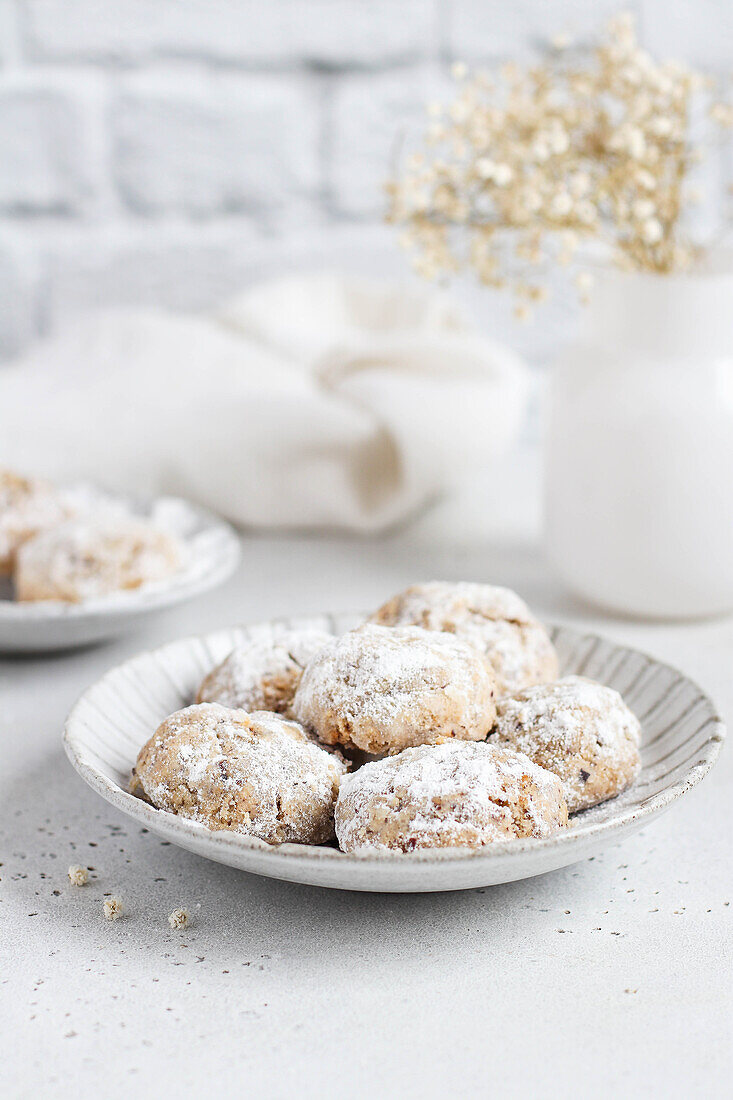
column 520, row 170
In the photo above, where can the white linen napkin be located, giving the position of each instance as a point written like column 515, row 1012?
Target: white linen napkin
column 317, row 400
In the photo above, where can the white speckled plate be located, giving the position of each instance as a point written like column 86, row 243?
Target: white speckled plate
column 682, row 736
column 213, row 553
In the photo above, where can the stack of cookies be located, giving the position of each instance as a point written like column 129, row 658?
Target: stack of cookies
column 58, row 544
column 440, row 722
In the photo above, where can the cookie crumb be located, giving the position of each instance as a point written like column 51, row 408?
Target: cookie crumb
column 78, row 876
column 178, row 918
column 112, row 908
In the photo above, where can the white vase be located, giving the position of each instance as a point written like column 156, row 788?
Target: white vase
column 639, row 454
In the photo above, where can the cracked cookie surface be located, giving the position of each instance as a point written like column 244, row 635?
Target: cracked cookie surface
column 256, row 774
column 381, row 690
column 456, row 794
column 263, row 674
column 495, row 620
column 578, row 729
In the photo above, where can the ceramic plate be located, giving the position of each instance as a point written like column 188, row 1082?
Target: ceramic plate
column 682, row 736
column 212, row 555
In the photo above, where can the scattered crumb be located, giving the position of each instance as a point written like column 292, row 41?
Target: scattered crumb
column 78, row 876
column 112, row 908
column 178, row 918
column 631, row 991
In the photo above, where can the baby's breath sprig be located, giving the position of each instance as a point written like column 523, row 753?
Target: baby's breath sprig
column 522, row 168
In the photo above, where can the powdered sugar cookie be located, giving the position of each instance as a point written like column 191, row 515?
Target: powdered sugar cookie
column 250, row 773
column 27, row 506
column 456, row 794
column 87, row 557
column 263, row 674
column 495, row 620
column 580, row 730
column 381, row 690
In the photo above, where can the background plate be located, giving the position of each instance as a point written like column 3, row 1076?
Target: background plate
column 681, row 738
column 213, row 555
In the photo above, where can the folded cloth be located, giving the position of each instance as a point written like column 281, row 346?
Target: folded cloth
column 319, row 400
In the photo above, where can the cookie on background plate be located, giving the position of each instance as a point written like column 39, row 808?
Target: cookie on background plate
column 91, row 556
column 27, row 506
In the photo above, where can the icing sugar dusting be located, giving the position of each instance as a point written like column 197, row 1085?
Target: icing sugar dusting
column 442, row 605
column 454, row 793
column 493, row 619
column 93, row 555
column 251, row 773
column 263, row 674
column 27, row 506
column 578, row 729
column 382, row 688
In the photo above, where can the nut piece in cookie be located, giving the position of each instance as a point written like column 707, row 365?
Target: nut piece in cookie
column 457, row 794
column 263, row 674
column 495, row 620
column 250, row 773
column 87, row 558
column 27, row 506
column 381, row 690
column 580, row 730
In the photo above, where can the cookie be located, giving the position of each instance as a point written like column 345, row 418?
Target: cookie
column 256, row 774
column 456, row 794
column 87, row 557
column 27, row 506
column 581, row 731
column 263, row 674
column 381, row 690
column 495, row 620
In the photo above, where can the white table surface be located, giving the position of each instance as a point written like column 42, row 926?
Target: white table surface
column 609, row 978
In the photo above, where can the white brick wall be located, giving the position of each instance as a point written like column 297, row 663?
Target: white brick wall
column 337, row 33
column 698, row 31
column 173, row 264
column 214, row 146
column 18, row 319
column 482, row 28
column 42, row 160
column 146, row 144
column 371, row 116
